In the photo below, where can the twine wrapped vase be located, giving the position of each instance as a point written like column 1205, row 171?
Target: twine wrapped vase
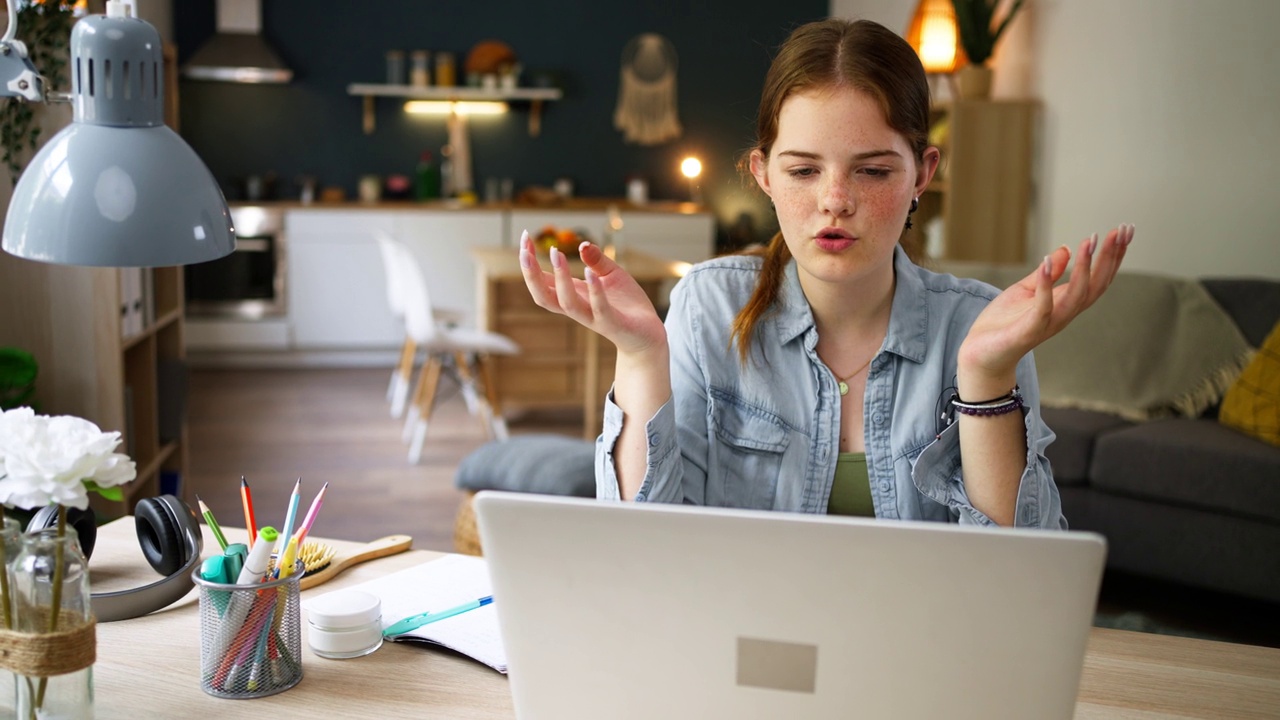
column 52, row 645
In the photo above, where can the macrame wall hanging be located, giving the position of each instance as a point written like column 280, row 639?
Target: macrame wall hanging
column 646, row 111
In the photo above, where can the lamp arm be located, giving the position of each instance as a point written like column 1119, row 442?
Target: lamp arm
column 19, row 77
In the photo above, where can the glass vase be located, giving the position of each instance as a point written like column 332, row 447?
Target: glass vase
column 10, row 544
column 49, row 587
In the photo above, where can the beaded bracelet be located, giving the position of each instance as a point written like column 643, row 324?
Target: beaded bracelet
column 996, row 406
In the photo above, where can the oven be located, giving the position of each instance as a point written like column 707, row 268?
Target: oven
column 250, row 282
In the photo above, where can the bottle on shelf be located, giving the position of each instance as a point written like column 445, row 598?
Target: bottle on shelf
column 427, row 178
column 447, row 187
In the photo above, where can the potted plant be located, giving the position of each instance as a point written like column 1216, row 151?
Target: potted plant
column 979, row 31
column 45, row 27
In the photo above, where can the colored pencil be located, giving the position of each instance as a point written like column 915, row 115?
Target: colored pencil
column 311, row 514
column 213, row 524
column 247, row 501
column 287, row 529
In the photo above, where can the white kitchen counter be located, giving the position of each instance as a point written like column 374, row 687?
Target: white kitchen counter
column 335, row 283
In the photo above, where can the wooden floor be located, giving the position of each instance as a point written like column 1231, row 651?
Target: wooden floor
column 332, row 425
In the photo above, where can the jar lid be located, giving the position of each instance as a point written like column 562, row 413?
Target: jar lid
column 344, row 608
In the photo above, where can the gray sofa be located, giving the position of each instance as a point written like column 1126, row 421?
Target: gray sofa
column 1186, row 500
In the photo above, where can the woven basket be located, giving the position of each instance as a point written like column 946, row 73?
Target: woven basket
column 466, row 538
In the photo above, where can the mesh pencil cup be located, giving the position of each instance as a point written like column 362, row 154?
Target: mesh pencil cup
column 250, row 637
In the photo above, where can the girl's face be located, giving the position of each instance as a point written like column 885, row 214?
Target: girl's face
column 842, row 182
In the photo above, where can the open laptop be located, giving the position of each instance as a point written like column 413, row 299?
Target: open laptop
column 625, row 610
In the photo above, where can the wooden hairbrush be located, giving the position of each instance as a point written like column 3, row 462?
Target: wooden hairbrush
column 321, row 562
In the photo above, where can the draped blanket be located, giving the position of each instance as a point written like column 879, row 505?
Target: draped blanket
column 1152, row 346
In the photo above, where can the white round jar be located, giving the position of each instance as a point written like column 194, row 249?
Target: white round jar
column 344, row 624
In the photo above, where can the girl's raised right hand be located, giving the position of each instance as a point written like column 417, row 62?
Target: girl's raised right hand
column 607, row 300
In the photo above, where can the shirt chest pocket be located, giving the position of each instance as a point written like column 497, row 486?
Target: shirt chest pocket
column 749, row 446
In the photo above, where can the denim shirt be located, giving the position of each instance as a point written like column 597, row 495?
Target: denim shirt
column 765, row 436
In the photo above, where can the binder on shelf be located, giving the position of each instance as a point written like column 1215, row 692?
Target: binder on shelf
column 148, row 297
column 131, row 321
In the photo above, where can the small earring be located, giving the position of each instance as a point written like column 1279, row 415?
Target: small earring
column 915, row 205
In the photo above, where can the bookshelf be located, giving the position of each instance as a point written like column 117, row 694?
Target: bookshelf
column 70, row 319
column 100, row 364
column 982, row 192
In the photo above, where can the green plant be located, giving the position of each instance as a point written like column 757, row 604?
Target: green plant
column 975, row 20
column 45, row 27
column 17, row 377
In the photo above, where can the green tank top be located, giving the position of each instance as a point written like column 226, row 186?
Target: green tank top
column 851, row 490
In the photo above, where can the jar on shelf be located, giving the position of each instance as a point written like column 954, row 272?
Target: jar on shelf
column 395, row 67
column 446, row 70
column 419, row 72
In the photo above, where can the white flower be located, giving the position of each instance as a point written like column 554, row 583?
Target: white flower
column 49, row 459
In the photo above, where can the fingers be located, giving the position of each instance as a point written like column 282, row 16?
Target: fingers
column 541, row 288
column 566, row 291
column 1044, row 288
column 594, row 258
column 1077, row 295
column 1110, row 256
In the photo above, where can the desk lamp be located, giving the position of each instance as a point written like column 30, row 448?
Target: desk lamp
column 116, row 187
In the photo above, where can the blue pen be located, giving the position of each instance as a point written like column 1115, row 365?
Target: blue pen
column 413, row 622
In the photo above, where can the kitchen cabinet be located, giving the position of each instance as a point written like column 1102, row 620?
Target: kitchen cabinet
column 336, row 287
column 337, row 282
column 561, row 364
column 978, row 206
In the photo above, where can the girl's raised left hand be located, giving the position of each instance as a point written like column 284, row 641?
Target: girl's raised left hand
column 1034, row 309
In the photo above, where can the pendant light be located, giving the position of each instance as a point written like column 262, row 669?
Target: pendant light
column 117, row 187
column 934, row 35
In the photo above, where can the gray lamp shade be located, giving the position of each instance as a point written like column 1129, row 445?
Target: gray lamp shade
column 117, row 187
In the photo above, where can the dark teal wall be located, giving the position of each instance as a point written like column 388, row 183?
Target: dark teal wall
column 312, row 126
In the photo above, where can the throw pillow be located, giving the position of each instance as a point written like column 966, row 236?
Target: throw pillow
column 1252, row 404
column 543, row 463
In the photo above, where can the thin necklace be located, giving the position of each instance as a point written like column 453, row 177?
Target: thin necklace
column 844, row 386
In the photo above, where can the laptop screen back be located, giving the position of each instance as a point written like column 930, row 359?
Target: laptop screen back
column 626, row 610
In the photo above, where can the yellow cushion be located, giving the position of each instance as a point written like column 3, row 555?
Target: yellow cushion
column 1252, row 404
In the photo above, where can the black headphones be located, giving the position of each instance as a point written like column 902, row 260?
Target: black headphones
column 169, row 533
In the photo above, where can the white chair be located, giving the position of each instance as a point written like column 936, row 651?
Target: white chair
column 467, row 351
column 398, row 388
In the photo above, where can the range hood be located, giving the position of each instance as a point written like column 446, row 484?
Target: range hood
column 238, row 52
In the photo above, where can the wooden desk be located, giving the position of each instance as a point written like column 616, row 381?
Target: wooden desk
column 150, row 667
column 561, row 363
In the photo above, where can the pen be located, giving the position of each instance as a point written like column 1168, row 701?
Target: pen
column 259, row 559
column 413, row 622
column 247, row 500
column 288, row 558
column 235, row 555
column 213, row 524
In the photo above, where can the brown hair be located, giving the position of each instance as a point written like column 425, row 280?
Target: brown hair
column 832, row 53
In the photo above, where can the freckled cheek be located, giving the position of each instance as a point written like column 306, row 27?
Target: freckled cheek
column 881, row 202
column 873, row 201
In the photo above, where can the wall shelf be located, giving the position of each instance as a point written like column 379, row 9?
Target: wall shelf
column 534, row 96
